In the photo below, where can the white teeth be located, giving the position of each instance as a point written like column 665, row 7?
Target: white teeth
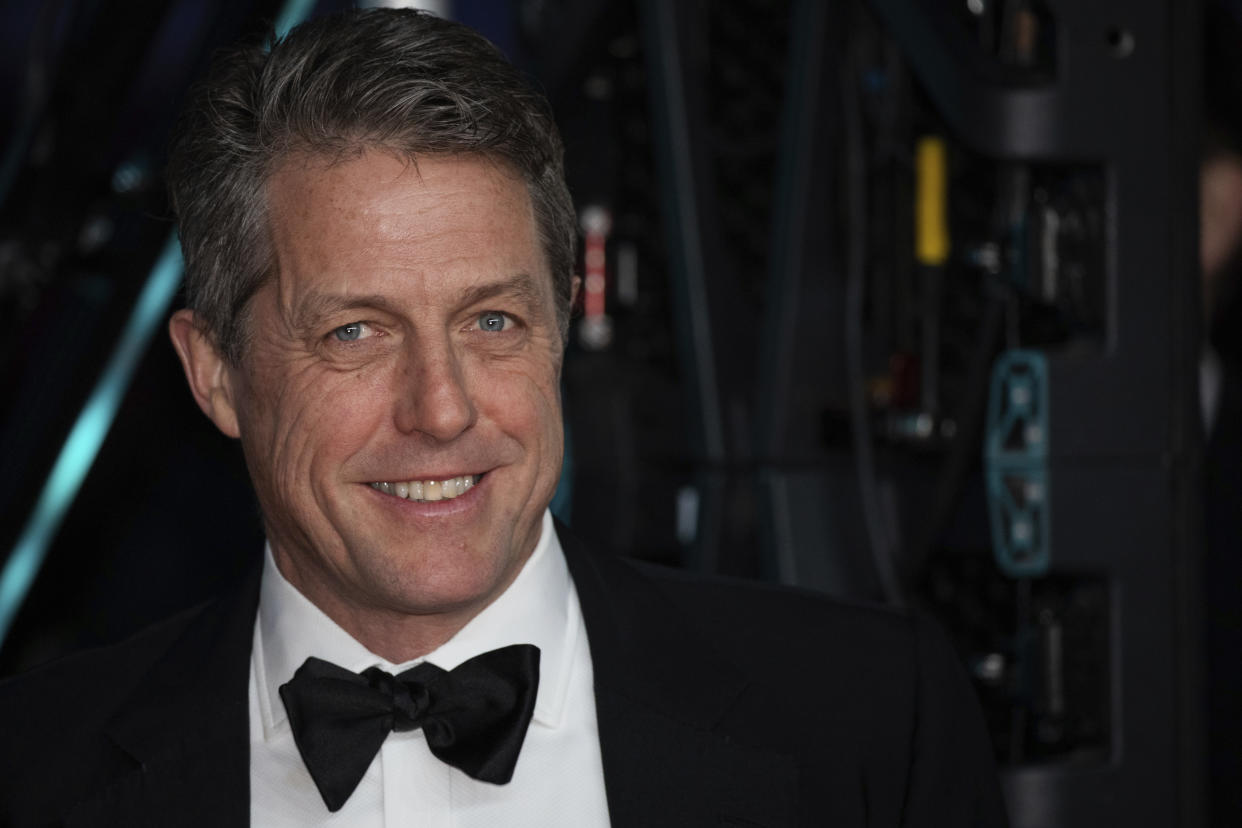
column 429, row 490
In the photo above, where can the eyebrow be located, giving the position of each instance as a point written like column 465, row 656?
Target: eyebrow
column 315, row 307
column 521, row 287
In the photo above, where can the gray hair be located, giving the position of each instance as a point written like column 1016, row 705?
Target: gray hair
column 398, row 80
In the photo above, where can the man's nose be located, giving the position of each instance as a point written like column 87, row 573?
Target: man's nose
column 433, row 398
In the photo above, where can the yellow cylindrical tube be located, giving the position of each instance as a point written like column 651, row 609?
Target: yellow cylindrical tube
column 931, row 201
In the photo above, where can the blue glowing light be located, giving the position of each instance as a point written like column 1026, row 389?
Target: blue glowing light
column 294, row 12
column 88, row 433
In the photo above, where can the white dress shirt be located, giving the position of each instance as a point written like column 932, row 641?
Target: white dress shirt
column 559, row 778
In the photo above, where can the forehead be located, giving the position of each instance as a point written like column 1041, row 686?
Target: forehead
column 378, row 221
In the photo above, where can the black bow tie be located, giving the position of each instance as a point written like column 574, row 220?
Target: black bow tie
column 474, row 716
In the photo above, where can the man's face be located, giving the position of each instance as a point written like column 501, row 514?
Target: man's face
column 408, row 340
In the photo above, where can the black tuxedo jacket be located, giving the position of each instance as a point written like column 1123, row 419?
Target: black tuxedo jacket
column 719, row 703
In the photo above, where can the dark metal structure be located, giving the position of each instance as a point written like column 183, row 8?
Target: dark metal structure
column 1070, row 201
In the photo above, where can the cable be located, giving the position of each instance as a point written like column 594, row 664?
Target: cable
column 964, row 450
column 878, row 534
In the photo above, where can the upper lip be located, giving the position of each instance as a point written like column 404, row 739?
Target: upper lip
column 424, row 476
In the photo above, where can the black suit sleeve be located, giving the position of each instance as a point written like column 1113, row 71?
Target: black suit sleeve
column 952, row 778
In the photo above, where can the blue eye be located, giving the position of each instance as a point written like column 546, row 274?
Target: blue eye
column 349, row 333
column 493, row 321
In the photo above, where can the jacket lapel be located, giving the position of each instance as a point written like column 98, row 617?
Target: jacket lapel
column 186, row 727
column 661, row 691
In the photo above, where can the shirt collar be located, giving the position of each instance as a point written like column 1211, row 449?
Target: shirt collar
column 540, row 607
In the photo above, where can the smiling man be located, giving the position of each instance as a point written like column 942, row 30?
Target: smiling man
column 379, row 247
column 397, row 401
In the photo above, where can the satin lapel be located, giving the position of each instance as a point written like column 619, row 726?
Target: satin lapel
column 187, row 727
column 661, row 691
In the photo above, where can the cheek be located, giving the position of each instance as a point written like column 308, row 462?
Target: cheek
column 529, row 409
column 310, row 423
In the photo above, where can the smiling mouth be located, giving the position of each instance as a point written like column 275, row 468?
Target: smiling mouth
column 426, row 491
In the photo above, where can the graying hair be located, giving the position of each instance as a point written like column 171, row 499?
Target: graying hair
column 397, row 80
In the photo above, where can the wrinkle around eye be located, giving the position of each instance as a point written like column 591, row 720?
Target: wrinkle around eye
column 335, row 346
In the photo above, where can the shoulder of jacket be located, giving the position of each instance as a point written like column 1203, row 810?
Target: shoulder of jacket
column 89, row 682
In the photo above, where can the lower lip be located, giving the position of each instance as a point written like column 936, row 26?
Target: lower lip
column 434, row 508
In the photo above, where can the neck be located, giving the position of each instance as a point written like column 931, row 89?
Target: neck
column 395, row 633
column 396, row 637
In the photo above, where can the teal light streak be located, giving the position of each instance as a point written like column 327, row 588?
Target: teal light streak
column 87, row 435
column 294, row 12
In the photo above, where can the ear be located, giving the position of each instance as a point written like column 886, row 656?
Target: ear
column 205, row 370
column 575, row 289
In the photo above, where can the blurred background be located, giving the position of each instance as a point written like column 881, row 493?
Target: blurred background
column 925, row 302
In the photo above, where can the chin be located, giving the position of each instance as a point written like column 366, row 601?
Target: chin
column 446, row 587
